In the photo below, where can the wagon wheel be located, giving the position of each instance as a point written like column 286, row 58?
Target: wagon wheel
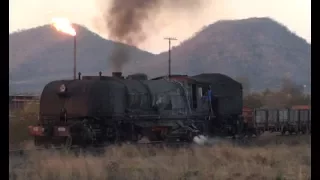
column 283, row 131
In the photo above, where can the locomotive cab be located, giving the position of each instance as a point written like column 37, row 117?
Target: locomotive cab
column 196, row 92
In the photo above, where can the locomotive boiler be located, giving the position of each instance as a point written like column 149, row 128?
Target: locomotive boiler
column 110, row 109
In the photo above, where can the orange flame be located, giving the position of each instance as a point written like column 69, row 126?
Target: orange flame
column 63, row 25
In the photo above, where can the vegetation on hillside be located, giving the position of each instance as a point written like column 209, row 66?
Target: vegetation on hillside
column 290, row 94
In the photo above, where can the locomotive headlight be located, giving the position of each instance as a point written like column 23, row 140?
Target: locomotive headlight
column 62, row 88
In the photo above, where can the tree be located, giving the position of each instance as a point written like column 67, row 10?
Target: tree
column 289, row 95
column 275, row 100
column 291, row 88
column 253, row 100
column 266, row 92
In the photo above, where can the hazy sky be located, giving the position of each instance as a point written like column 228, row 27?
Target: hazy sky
column 295, row 14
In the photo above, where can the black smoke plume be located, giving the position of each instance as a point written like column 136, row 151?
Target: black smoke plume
column 124, row 21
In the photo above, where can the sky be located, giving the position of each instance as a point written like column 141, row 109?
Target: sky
column 295, row 14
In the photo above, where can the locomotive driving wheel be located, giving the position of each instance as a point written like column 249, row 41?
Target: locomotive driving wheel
column 113, row 134
column 68, row 142
column 39, row 141
column 88, row 135
column 81, row 134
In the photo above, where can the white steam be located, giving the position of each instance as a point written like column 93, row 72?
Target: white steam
column 200, row 139
column 204, row 140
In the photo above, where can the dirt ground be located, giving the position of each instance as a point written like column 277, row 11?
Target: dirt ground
column 268, row 157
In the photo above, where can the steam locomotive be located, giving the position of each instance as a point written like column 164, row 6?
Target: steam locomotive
column 100, row 109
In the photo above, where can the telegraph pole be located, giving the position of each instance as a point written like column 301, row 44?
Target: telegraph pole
column 74, row 57
column 169, row 39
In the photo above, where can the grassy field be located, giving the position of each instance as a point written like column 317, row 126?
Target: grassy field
column 267, row 157
column 285, row 158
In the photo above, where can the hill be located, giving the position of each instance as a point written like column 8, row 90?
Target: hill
column 258, row 49
column 42, row 54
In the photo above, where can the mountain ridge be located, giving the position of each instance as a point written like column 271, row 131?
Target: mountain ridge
column 254, row 43
column 258, row 48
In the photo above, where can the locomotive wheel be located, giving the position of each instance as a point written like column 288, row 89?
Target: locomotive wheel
column 42, row 142
column 283, row 131
column 68, row 142
column 80, row 135
column 259, row 132
column 38, row 141
column 87, row 136
column 113, row 135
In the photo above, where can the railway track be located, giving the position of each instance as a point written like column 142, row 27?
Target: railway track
column 275, row 138
column 75, row 150
column 101, row 148
column 97, row 150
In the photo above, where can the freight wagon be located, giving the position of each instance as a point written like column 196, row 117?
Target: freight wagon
column 249, row 121
column 293, row 120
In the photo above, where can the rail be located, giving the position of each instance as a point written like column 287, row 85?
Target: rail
column 100, row 149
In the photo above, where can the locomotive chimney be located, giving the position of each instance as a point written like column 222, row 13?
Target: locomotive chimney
column 117, row 74
column 100, row 74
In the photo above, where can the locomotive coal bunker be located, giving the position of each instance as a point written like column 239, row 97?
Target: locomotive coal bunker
column 226, row 91
column 104, row 109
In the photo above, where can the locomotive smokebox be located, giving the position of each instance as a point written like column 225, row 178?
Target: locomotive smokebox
column 117, row 74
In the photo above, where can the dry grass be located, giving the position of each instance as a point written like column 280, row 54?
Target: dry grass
column 18, row 126
column 18, row 132
column 223, row 161
column 268, row 157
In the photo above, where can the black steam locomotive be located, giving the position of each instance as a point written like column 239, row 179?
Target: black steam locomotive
column 110, row 109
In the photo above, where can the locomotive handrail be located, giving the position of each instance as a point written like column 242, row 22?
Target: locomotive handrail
column 149, row 91
column 186, row 94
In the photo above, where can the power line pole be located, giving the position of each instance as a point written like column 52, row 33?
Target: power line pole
column 74, row 57
column 169, row 39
